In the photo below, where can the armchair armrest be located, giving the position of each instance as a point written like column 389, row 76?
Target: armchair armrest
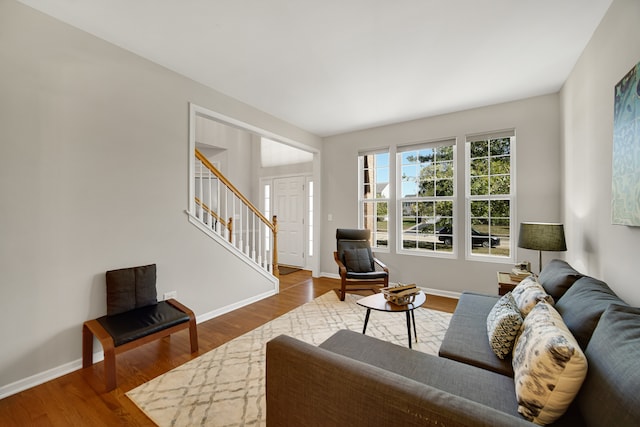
column 381, row 264
column 341, row 267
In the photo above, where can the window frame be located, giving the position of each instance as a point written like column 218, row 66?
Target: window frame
column 362, row 200
column 400, row 200
column 511, row 197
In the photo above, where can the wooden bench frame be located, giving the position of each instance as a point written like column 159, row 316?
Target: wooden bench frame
column 93, row 328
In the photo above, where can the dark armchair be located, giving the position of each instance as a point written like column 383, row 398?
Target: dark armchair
column 356, row 263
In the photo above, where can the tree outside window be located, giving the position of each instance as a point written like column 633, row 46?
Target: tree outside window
column 490, row 194
column 426, row 203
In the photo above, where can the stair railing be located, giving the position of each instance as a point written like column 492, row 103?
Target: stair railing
column 245, row 227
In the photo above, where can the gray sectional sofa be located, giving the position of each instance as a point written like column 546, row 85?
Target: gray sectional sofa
column 356, row 380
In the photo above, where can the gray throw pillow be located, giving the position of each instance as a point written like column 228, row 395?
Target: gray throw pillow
column 583, row 304
column 357, row 260
column 557, row 277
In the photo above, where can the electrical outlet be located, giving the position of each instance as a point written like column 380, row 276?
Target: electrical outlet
column 172, row 294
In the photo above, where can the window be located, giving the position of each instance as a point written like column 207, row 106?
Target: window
column 490, row 194
column 373, row 196
column 427, row 197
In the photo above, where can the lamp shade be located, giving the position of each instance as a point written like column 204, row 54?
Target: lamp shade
column 542, row 236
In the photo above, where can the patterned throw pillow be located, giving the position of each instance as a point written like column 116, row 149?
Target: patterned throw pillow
column 503, row 324
column 528, row 293
column 548, row 364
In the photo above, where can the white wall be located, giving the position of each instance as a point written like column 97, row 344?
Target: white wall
column 93, row 176
column 537, row 125
column 234, row 153
column 609, row 252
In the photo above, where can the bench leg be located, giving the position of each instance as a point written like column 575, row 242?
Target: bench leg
column 193, row 334
column 109, row 367
column 89, row 329
column 87, row 346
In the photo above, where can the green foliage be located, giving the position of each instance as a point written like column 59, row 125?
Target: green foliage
column 381, row 209
column 490, row 167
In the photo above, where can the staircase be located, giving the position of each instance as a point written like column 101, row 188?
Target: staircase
column 226, row 215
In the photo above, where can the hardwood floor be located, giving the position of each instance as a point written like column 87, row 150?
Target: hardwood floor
column 77, row 399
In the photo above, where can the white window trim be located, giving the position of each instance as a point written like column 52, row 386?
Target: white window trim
column 469, row 256
column 360, row 200
column 399, row 199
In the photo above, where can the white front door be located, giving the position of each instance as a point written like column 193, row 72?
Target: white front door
column 288, row 206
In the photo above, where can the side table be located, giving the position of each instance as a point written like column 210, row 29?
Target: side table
column 505, row 283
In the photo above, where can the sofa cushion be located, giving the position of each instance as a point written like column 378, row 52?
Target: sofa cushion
column 466, row 338
column 357, row 260
column 583, row 304
column 610, row 395
column 503, row 324
column 548, row 364
column 497, row 391
column 528, row 293
column 557, row 277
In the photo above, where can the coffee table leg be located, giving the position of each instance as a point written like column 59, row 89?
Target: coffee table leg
column 415, row 331
column 366, row 320
column 409, row 328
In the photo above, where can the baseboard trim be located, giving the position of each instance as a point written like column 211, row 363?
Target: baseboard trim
column 229, row 308
column 441, row 293
column 67, row 368
column 39, row 378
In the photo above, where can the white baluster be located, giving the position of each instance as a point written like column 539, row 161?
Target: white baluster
column 209, row 176
column 200, row 194
column 253, row 241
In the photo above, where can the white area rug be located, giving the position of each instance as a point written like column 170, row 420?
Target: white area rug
column 225, row 387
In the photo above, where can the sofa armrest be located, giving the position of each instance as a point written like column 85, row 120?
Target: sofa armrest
column 308, row 385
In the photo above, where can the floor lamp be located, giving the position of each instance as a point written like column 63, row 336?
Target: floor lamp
column 542, row 236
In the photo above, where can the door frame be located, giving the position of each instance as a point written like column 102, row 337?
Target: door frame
column 307, row 177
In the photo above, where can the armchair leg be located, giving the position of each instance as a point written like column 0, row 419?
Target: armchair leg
column 343, row 288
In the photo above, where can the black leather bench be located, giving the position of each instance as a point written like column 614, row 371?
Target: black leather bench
column 124, row 328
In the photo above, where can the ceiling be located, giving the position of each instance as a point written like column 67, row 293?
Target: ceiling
column 333, row 66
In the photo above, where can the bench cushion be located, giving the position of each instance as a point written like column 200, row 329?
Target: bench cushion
column 140, row 322
column 466, row 338
column 129, row 288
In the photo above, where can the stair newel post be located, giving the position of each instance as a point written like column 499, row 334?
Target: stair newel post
column 276, row 270
column 230, row 229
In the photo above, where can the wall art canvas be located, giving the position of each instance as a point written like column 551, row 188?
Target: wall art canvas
column 625, row 203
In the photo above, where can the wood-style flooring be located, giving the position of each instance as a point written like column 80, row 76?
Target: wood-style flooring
column 77, row 399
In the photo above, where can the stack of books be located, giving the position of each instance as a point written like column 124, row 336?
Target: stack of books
column 517, row 275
